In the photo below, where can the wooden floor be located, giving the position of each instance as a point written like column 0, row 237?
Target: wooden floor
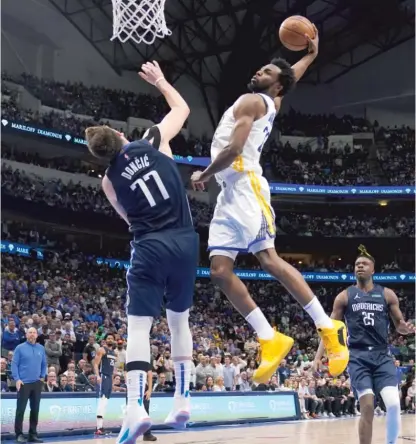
column 343, row 431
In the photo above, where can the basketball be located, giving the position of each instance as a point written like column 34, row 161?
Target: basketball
column 292, row 32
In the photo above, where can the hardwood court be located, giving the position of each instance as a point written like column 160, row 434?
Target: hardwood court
column 343, row 431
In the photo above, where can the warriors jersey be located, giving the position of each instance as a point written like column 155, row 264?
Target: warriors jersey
column 249, row 160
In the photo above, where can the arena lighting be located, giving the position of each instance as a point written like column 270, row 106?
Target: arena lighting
column 383, row 203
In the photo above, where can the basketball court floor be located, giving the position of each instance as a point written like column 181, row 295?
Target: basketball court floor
column 332, row 431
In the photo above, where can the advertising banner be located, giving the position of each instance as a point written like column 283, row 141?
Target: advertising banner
column 64, row 412
column 26, row 250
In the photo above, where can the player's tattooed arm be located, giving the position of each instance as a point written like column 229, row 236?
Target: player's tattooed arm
column 402, row 327
column 249, row 108
column 300, row 67
column 338, row 311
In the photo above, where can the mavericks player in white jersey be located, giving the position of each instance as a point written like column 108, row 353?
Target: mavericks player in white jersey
column 244, row 219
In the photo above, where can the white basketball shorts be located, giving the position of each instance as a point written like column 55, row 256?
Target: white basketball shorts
column 243, row 219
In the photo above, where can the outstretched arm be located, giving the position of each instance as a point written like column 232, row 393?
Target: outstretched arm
column 338, row 312
column 173, row 122
column 249, row 108
column 300, row 67
column 402, row 327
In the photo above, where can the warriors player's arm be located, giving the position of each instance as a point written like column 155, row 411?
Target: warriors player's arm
column 112, row 198
column 300, row 67
column 249, row 108
column 402, row 327
column 97, row 360
column 299, row 70
column 338, row 311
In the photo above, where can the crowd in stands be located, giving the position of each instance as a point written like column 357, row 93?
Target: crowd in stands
column 86, row 198
column 94, row 101
column 364, row 225
column 73, row 303
column 398, row 160
column 288, row 164
column 295, row 123
column 321, row 166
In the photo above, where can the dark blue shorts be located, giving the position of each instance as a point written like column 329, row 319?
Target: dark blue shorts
column 163, row 268
column 371, row 369
column 106, row 386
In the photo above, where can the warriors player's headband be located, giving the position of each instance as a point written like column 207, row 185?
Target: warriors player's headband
column 364, row 253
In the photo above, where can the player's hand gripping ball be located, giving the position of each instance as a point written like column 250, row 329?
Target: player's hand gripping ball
column 298, row 33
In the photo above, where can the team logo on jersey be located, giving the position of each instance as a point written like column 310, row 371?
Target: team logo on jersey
column 376, row 295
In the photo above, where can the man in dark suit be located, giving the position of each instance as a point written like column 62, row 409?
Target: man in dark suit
column 51, row 385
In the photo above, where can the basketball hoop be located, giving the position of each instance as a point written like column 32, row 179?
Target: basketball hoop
column 139, row 20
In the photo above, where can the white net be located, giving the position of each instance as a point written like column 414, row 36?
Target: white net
column 139, row 20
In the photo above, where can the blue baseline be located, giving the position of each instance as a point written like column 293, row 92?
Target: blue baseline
column 25, row 250
column 275, row 188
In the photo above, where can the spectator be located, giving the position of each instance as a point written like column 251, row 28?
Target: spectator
column 209, row 383
column 244, row 384
column 161, row 385
column 90, row 349
column 121, row 355
column 219, row 385
column 203, row 370
column 11, row 337
column 117, row 385
column 67, row 352
column 51, row 385
column 229, row 374
column 53, row 351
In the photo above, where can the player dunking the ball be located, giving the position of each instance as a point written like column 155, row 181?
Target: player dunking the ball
column 244, row 219
column 366, row 307
column 144, row 186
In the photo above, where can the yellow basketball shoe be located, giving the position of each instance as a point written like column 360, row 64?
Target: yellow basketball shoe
column 272, row 352
column 335, row 342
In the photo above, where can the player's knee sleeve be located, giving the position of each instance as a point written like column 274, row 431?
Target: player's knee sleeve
column 102, row 406
column 138, row 342
column 391, row 398
column 181, row 333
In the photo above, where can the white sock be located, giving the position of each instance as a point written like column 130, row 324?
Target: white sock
column 183, row 378
column 317, row 313
column 181, row 343
column 138, row 350
column 100, row 422
column 136, row 383
column 260, row 324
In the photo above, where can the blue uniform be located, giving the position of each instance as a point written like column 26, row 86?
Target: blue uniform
column 108, row 361
column 164, row 251
column 371, row 365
